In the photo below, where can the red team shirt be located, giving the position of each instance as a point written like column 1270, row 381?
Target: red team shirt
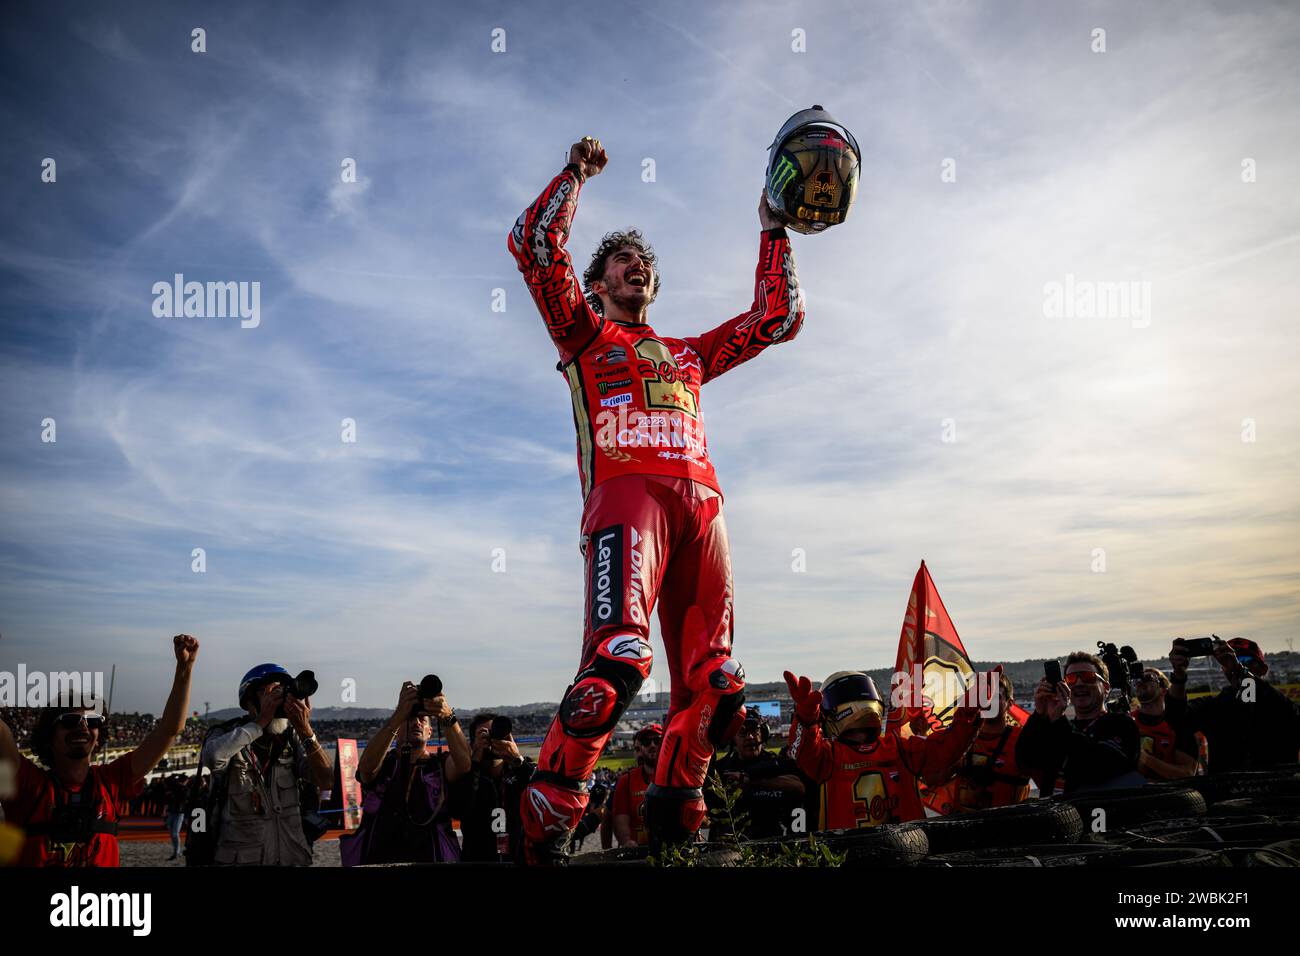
column 988, row 776
column 636, row 394
column 36, row 799
column 629, row 800
column 878, row 784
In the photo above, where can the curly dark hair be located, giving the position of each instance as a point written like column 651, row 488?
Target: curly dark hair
column 608, row 246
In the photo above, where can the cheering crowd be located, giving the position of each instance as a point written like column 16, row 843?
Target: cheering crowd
column 845, row 762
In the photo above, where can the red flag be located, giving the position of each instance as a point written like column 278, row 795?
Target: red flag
column 931, row 655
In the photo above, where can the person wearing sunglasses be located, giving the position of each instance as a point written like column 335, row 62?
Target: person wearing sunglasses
column 1249, row 723
column 769, row 784
column 1093, row 750
column 67, row 807
column 629, row 819
column 1168, row 749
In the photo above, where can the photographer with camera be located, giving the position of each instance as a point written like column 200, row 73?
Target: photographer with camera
column 1249, row 723
column 769, row 784
column 406, row 817
column 261, row 764
column 69, row 811
column 1097, row 749
column 1167, row 750
column 488, row 796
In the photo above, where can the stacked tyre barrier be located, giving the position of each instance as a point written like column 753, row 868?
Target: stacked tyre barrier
column 1245, row 819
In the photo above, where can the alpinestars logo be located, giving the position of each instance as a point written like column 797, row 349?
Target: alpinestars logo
column 546, row 814
column 541, row 246
column 629, row 647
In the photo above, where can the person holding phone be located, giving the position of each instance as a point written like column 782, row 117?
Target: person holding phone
column 1093, row 750
column 1249, row 723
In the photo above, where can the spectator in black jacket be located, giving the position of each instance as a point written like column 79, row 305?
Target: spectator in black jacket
column 488, row 796
column 769, row 784
column 1249, row 723
column 1094, row 750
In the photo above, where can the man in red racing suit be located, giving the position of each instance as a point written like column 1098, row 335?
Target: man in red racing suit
column 652, row 526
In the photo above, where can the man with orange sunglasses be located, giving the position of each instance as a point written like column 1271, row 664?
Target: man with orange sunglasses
column 1095, row 748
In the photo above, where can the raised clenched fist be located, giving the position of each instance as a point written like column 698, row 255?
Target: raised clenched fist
column 589, row 156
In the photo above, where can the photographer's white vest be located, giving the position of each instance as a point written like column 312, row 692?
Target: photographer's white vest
column 261, row 820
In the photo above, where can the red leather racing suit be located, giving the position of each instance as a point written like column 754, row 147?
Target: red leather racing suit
column 652, row 527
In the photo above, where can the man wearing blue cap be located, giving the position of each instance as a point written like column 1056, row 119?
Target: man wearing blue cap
column 263, row 761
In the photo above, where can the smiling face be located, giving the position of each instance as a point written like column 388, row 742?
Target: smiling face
column 74, row 739
column 629, row 279
column 1088, row 689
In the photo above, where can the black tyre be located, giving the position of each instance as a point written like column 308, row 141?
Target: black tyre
column 1212, row 832
column 1284, row 853
column 1280, row 808
column 1034, row 822
column 619, row 856
column 1085, row 854
column 1128, row 808
column 1180, row 856
column 892, row 844
column 1054, row 854
column 1280, row 781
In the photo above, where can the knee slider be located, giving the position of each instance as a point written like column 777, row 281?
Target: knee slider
column 597, row 699
column 727, row 681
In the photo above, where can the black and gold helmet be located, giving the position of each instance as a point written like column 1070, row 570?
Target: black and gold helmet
column 851, row 701
column 812, row 171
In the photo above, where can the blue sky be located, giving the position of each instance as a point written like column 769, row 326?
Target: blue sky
column 373, row 560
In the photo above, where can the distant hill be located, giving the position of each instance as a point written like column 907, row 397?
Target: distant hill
column 1284, row 667
column 383, row 713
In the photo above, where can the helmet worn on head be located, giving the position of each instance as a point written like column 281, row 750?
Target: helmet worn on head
column 258, row 676
column 850, row 701
column 812, row 171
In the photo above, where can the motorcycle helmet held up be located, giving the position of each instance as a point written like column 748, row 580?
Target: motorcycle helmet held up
column 812, row 171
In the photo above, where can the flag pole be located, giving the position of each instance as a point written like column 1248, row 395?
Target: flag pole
column 108, row 709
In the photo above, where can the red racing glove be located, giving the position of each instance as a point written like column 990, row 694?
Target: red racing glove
column 807, row 702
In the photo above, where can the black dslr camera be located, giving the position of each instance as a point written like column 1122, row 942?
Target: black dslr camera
column 299, row 688
column 1125, row 669
column 431, row 686
column 302, row 686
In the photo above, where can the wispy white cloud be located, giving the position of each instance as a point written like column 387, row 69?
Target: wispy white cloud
column 374, row 559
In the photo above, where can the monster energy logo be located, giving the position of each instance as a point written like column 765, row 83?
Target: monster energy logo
column 783, row 174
